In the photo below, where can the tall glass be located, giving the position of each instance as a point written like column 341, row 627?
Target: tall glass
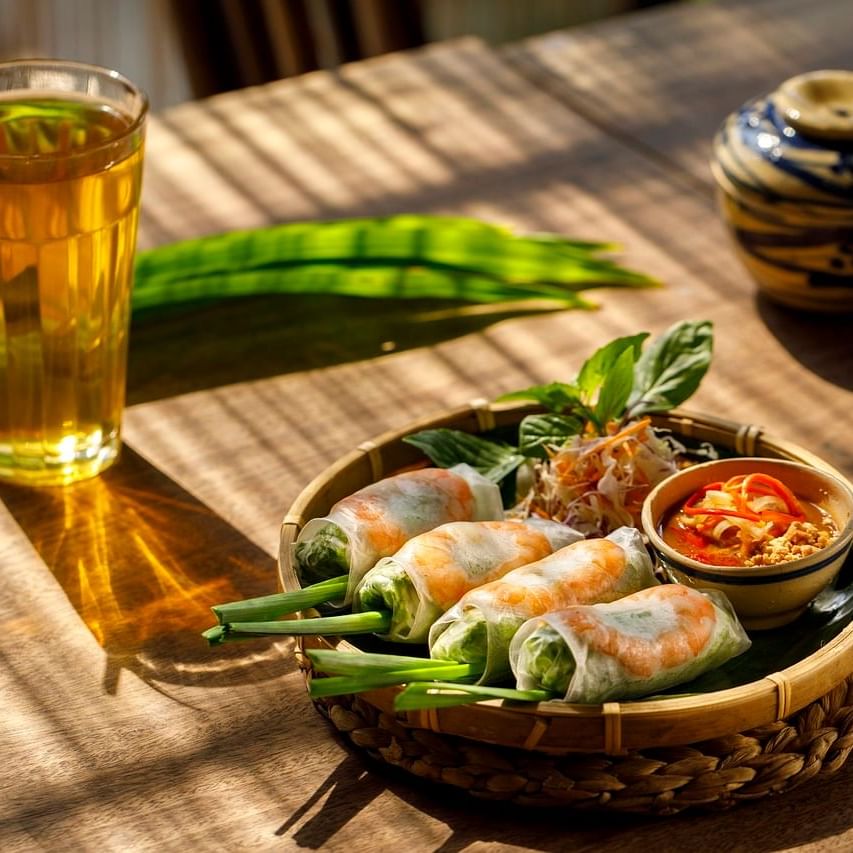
column 71, row 147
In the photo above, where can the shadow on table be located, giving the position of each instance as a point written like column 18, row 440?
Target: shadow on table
column 142, row 561
column 356, row 783
column 820, row 342
column 192, row 347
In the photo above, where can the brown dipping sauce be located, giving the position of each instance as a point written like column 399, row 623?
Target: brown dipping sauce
column 786, row 542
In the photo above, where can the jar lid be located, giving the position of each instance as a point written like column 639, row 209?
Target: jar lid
column 795, row 144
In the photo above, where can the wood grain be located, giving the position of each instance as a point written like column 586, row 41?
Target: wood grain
column 663, row 80
column 119, row 730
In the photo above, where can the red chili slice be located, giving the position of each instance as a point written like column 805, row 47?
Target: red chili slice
column 739, row 489
column 778, row 488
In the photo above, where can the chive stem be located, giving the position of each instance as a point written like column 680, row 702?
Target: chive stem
column 369, row 622
column 214, row 635
column 338, row 685
column 268, row 607
column 335, row 662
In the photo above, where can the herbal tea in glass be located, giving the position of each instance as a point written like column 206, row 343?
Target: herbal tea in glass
column 71, row 148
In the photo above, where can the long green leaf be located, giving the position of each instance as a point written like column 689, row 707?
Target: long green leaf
column 411, row 255
column 408, row 239
column 349, row 279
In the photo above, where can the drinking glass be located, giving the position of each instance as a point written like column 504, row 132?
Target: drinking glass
column 71, row 149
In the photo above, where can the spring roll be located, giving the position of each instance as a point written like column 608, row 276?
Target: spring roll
column 431, row 572
column 636, row 646
column 478, row 629
column 379, row 519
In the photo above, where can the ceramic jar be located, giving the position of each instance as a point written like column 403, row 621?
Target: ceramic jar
column 784, row 170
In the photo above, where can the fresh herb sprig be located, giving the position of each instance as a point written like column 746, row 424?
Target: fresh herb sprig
column 618, row 382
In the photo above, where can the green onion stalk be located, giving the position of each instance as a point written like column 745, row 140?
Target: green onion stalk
column 430, row 683
column 387, row 602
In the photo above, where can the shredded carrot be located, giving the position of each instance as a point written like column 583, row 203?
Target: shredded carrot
column 625, row 432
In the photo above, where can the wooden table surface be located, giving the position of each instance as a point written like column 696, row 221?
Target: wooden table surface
column 119, row 728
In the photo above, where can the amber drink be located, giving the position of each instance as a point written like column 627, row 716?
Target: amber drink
column 71, row 147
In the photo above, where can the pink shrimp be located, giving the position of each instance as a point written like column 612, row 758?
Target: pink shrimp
column 450, row 566
column 641, row 656
column 383, row 531
column 587, row 570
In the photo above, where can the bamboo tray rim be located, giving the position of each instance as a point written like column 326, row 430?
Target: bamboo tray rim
column 760, row 702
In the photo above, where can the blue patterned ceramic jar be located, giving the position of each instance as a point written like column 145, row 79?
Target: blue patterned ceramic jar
column 784, row 170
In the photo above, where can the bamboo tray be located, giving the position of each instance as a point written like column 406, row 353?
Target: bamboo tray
column 656, row 756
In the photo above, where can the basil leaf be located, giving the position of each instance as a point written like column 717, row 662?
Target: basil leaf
column 598, row 366
column 537, row 432
column 616, row 388
column 448, row 447
column 670, row 370
column 555, row 396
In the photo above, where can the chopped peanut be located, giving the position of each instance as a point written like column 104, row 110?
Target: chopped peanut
column 801, row 539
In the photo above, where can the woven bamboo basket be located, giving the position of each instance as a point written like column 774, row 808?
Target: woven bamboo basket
column 657, row 757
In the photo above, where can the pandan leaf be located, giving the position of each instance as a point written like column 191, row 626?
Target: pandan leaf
column 399, row 256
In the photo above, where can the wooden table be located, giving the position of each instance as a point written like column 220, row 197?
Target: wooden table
column 120, row 729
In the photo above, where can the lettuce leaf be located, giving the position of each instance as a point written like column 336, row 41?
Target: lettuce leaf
column 448, row 447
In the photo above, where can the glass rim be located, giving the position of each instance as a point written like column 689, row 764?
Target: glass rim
column 73, row 65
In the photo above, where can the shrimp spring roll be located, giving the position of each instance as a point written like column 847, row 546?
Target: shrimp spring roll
column 478, row 629
column 638, row 645
column 379, row 519
column 431, row 572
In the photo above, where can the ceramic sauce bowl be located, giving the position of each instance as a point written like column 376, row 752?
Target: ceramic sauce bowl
column 762, row 596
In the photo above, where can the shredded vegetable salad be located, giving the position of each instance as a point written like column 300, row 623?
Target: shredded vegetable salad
column 597, row 484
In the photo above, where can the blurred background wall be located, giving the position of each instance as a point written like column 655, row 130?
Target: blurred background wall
column 181, row 49
column 136, row 37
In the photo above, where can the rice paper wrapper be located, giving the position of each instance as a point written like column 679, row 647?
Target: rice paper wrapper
column 558, row 534
column 589, row 571
column 639, row 645
column 445, row 563
column 380, row 518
